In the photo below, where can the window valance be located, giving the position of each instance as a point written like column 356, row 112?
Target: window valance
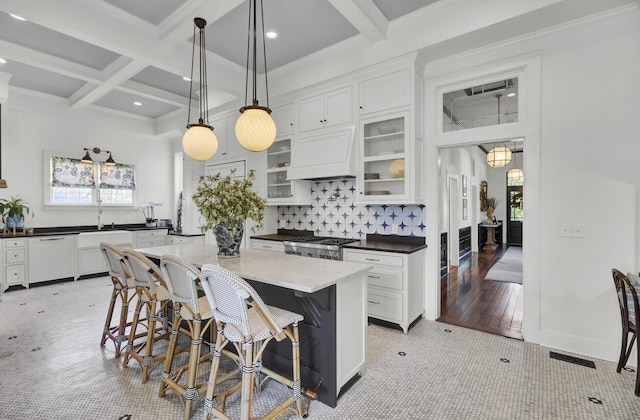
column 69, row 172
column 117, row 177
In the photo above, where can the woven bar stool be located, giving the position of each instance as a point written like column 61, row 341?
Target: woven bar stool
column 249, row 324
column 191, row 316
column 122, row 284
column 630, row 314
column 154, row 298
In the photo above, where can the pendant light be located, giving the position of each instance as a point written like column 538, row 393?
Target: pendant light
column 3, row 183
column 255, row 129
column 499, row 155
column 515, row 174
column 199, row 142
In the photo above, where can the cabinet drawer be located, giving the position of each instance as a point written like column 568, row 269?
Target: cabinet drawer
column 149, row 242
column 151, row 233
column 274, row 246
column 13, row 256
column 384, row 277
column 14, row 243
column 14, row 274
column 384, row 304
column 171, row 240
column 374, row 258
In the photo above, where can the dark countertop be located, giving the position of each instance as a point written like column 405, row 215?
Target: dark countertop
column 74, row 230
column 386, row 243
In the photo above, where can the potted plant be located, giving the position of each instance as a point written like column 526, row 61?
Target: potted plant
column 225, row 203
column 490, row 205
column 13, row 211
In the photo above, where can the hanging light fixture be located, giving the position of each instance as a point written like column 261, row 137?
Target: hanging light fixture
column 515, row 174
column 499, row 155
column 255, row 128
column 199, row 142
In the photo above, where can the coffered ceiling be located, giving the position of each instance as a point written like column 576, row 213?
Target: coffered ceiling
column 108, row 54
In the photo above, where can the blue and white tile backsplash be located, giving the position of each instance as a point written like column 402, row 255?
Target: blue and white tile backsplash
column 334, row 212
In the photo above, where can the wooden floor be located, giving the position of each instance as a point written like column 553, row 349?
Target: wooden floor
column 470, row 301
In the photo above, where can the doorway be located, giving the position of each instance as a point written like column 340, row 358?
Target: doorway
column 467, row 298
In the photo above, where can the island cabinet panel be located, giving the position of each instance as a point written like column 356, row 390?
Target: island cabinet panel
column 177, row 239
column 52, row 258
column 14, row 262
column 395, row 290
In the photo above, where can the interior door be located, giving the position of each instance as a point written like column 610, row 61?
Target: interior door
column 514, row 214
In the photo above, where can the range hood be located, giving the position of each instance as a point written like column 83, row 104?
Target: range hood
column 327, row 155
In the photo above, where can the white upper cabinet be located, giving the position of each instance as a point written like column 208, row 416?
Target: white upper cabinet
column 284, row 117
column 384, row 92
column 326, row 110
column 224, row 127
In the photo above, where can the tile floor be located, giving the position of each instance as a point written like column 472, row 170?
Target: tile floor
column 51, row 367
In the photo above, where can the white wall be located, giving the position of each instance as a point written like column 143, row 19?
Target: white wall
column 32, row 124
column 581, row 160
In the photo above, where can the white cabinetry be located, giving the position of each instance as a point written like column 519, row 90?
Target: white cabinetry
column 395, row 291
column 284, row 117
column 149, row 238
column 281, row 190
column 274, row 246
column 224, row 127
column 89, row 257
column 177, row 239
column 384, row 92
column 326, row 110
column 52, row 257
column 14, row 262
column 388, row 171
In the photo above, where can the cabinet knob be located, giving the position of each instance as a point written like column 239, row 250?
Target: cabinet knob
column 361, row 107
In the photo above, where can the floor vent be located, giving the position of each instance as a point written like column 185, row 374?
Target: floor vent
column 571, row 359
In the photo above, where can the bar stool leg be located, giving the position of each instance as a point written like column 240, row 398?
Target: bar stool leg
column 107, row 322
column 132, row 333
column 247, row 380
column 171, row 350
column 191, row 392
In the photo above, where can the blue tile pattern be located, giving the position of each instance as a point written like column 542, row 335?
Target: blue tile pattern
column 334, row 212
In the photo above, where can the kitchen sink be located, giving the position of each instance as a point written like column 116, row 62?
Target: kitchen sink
column 93, row 239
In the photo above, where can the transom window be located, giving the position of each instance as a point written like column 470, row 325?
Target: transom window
column 74, row 182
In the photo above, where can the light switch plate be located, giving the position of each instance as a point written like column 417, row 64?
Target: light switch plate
column 571, row 230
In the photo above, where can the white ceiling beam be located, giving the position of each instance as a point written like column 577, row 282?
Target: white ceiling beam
column 48, row 62
column 156, row 94
column 365, row 16
column 95, row 92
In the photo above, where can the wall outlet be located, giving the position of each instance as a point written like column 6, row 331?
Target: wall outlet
column 394, row 228
column 571, row 230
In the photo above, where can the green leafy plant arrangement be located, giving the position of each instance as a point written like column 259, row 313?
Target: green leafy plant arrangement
column 228, row 200
column 14, row 207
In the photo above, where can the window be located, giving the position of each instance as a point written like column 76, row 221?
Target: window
column 74, row 182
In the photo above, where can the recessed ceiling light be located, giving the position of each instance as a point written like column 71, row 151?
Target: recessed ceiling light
column 16, row 17
column 3, row 61
column 186, row 78
column 271, row 34
column 136, row 103
column 511, row 95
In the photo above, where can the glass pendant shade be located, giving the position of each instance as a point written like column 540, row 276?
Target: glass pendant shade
column 255, row 129
column 515, row 174
column 499, row 156
column 199, row 142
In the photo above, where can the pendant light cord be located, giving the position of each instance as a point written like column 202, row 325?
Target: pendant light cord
column 254, row 54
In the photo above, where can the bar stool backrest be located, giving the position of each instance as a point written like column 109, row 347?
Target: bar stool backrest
column 182, row 280
column 115, row 264
column 228, row 295
column 145, row 273
column 627, row 299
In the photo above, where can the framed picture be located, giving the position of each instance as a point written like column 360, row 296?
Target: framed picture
column 464, row 185
column 464, row 209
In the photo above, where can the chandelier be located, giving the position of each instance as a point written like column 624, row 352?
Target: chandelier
column 499, row 155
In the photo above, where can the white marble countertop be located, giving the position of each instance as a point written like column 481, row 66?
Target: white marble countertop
column 291, row 271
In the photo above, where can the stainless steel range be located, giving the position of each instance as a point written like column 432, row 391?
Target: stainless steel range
column 317, row 247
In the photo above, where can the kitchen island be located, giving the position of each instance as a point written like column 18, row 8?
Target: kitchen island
column 331, row 295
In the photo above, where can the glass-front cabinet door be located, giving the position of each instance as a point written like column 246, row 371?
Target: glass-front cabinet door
column 280, row 190
column 384, row 159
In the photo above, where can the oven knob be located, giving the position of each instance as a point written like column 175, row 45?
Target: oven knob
column 335, row 257
column 309, row 254
column 297, row 252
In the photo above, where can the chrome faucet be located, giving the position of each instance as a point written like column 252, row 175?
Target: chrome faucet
column 99, row 213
